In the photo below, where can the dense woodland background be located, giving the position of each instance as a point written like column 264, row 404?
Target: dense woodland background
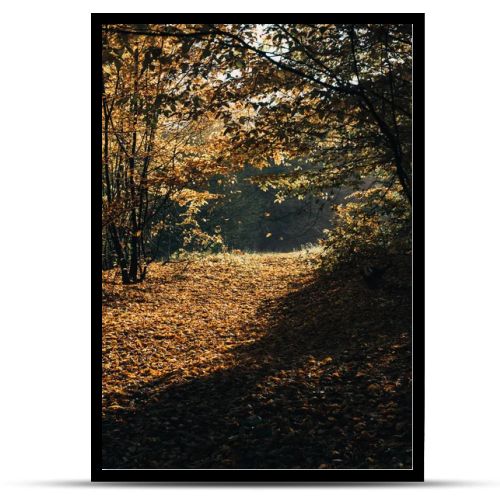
column 197, row 118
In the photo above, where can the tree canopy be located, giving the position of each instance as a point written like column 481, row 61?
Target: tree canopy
column 184, row 104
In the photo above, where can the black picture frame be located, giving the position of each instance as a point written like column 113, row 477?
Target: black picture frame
column 265, row 476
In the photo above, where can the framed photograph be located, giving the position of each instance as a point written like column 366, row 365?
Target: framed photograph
column 261, row 312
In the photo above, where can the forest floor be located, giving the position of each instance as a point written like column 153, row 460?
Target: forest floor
column 253, row 361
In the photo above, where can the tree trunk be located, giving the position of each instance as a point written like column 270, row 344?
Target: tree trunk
column 119, row 254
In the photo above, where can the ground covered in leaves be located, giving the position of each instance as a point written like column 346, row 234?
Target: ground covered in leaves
column 253, row 361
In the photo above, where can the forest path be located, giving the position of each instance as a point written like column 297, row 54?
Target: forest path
column 249, row 361
column 185, row 319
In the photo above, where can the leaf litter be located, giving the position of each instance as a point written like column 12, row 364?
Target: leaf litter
column 252, row 361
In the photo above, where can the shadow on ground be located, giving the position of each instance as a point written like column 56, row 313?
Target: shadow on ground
column 329, row 386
